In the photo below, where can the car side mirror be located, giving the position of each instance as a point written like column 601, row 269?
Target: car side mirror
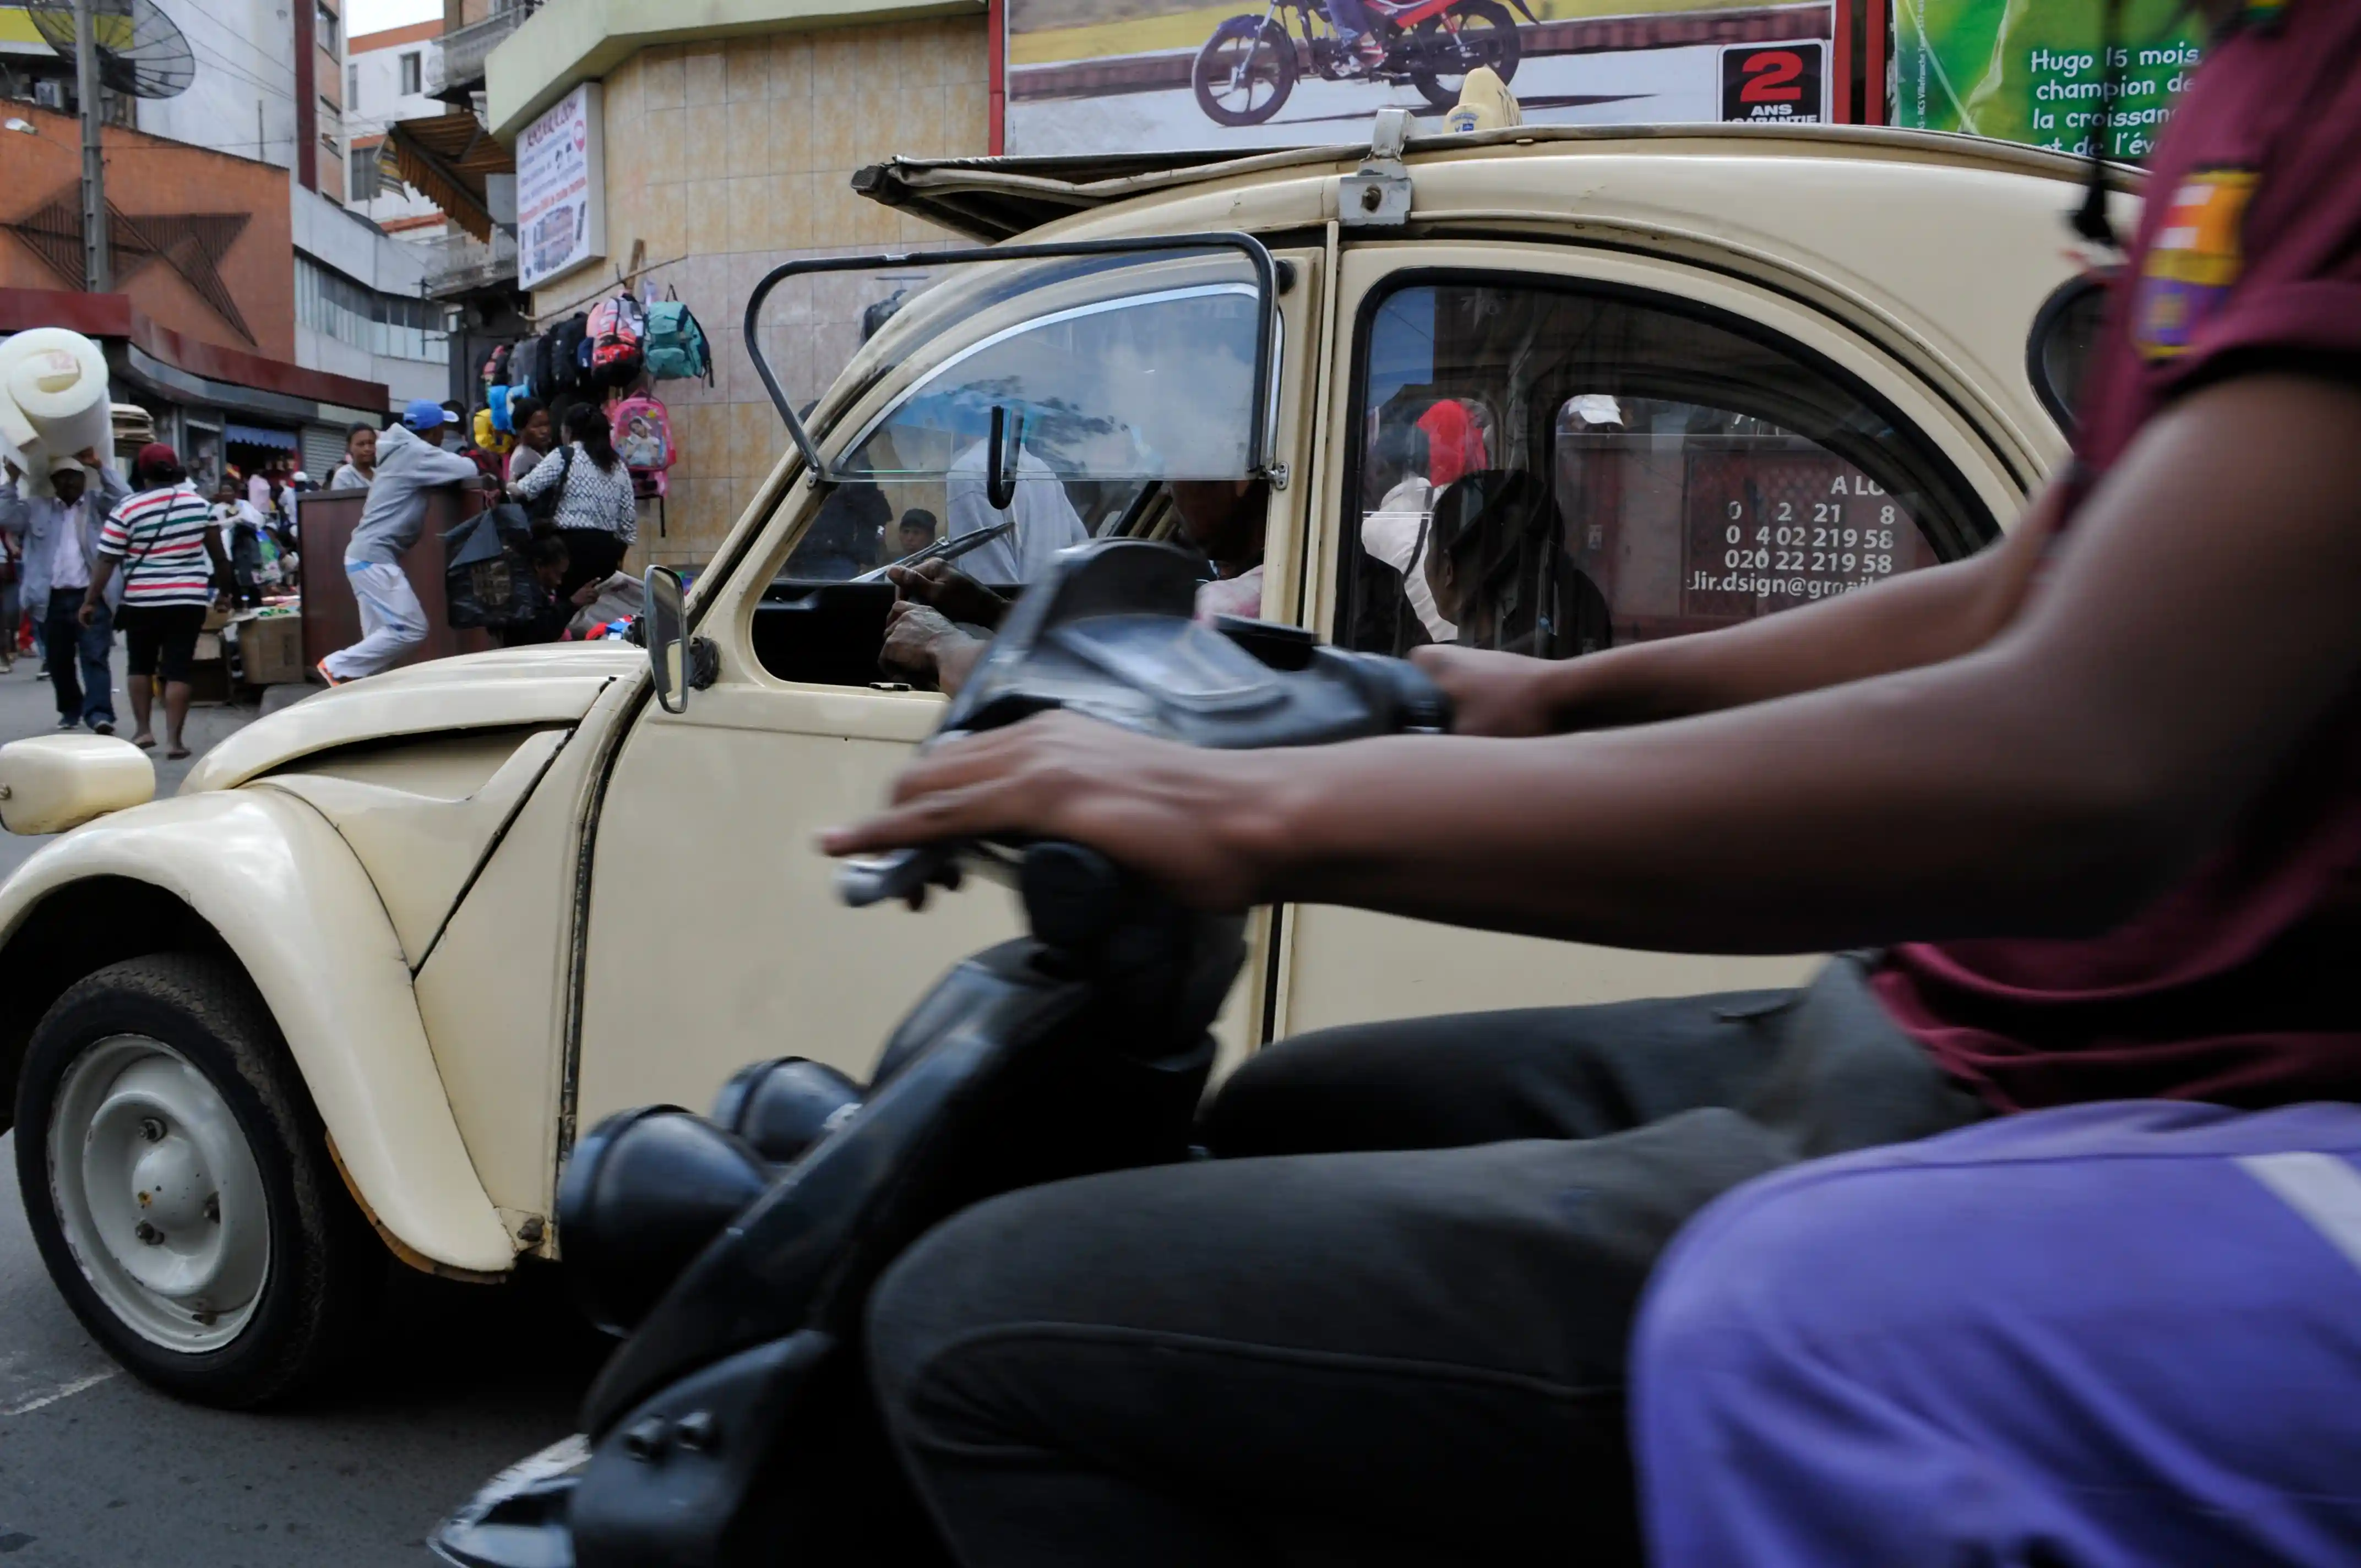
column 679, row 662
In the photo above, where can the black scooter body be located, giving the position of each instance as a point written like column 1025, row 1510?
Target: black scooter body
column 734, row 1426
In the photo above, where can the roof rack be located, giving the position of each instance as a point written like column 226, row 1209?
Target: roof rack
column 997, row 198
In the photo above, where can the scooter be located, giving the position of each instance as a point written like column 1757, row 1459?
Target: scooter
column 734, row 1426
column 1247, row 68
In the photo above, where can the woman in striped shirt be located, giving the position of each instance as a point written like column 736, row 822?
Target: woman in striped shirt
column 171, row 553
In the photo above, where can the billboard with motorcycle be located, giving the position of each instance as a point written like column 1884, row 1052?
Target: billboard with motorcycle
column 1161, row 75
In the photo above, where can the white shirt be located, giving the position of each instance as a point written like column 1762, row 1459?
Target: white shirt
column 257, row 494
column 1396, row 533
column 1045, row 521
column 69, row 562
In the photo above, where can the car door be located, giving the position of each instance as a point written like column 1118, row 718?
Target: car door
column 1553, row 450
column 714, row 935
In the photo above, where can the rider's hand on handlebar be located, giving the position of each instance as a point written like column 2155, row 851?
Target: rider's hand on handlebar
column 947, row 589
column 1505, row 695
column 1182, row 817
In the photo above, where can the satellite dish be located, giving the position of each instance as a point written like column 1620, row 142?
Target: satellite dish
column 141, row 53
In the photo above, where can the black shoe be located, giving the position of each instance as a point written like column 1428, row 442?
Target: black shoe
column 68, row 722
column 103, row 727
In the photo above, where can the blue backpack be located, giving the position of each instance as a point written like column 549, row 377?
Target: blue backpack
column 674, row 345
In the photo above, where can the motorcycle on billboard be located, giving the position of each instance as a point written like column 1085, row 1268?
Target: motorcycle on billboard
column 1244, row 73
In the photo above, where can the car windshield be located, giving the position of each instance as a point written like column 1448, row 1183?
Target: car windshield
column 1108, row 376
column 1101, row 369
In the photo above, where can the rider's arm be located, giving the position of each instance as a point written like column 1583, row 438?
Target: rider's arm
column 2192, row 630
column 1922, row 618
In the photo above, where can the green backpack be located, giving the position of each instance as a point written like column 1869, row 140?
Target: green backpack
column 675, row 345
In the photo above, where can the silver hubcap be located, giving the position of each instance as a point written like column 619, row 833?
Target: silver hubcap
column 158, row 1194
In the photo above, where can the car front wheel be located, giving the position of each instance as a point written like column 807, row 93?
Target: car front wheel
column 179, row 1187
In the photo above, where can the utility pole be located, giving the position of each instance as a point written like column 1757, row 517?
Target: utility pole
column 97, row 276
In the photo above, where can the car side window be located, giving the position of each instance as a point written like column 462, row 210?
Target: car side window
column 1555, row 468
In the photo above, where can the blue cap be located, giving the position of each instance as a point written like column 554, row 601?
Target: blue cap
column 424, row 414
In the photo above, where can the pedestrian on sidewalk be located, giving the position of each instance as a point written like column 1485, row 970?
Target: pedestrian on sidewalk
column 12, row 603
column 534, row 440
column 173, row 553
column 359, row 466
column 58, row 534
column 410, row 462
column 596, row 513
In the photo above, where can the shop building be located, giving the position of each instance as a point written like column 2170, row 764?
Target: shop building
column 728, row 146
column 201, row 329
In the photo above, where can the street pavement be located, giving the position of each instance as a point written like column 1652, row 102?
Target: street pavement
column 99, row 1471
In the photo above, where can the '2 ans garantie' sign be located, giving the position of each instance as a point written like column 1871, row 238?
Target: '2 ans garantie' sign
column 1776, row 83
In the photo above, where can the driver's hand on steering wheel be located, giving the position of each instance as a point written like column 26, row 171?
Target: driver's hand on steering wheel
column 945, row 588
column 922, row 647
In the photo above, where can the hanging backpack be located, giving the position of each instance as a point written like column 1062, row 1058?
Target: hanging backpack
column 617, row 331
column 490, row 438
column 568, row 354
column 496, row 368
column 527, row 374
column 642, row 431
column 675, row 346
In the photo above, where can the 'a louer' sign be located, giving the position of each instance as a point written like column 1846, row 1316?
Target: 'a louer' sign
column 2031, row 71
column 562, row 189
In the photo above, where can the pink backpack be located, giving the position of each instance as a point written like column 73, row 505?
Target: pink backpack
column 642, row 432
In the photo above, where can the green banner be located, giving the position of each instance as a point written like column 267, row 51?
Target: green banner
column 2029, row 71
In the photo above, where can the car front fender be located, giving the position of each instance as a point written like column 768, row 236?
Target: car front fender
column 277, row 885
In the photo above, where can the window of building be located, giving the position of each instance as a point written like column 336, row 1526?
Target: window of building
column 1553, row 470
column 363, row 185
column 350, row 312
column 353, row 88
column 324, row 27
column 411, row 80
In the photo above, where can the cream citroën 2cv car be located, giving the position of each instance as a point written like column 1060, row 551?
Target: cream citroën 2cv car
column 354, row 989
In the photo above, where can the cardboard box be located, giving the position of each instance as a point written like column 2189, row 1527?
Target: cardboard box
column 270, row 650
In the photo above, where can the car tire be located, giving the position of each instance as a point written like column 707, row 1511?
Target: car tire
column 178, row 1184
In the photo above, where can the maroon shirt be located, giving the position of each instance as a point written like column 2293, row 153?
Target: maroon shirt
column 2244, row 984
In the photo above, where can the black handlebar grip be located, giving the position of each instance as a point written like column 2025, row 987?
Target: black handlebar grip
column 889, row 877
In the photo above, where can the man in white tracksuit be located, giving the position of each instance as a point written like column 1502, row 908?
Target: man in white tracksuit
column 410, row 461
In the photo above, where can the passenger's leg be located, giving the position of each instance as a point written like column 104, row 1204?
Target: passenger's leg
column 392, row 622
column 2113, row 1335
column 1478, row 1078
column 1367, row 1359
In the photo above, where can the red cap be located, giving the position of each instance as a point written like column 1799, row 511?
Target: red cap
column 155, row 455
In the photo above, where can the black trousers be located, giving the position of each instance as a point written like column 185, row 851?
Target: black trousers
column 1386, row 1324
column 591, row 556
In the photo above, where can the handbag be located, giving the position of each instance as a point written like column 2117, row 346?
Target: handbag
column 542, row 510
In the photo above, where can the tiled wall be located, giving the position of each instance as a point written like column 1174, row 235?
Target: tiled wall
column 726, row 158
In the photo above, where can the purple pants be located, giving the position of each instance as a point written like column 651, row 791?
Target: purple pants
column 2111, row 1335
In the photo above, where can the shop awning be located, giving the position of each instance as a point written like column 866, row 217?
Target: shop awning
column 259, row 435
column 445, row 160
